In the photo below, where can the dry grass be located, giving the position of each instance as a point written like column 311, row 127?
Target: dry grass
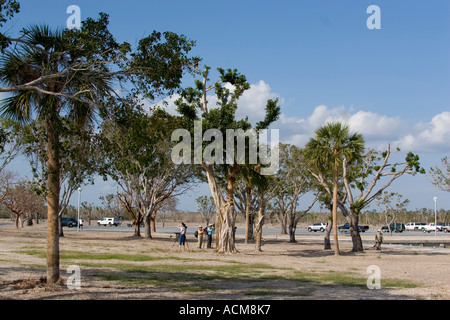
column 119, row 266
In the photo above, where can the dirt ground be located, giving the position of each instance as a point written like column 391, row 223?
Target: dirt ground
column 281, row 271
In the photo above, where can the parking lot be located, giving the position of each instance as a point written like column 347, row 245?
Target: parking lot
column 240, row 231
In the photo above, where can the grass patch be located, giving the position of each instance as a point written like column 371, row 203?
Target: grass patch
column 128, row 269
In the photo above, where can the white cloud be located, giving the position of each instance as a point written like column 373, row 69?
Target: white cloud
column 378, row 130
column 433, row 136
column 253, row 101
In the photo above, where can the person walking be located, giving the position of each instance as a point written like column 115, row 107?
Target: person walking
column 378, row 240
column 182, row 228
column 210, row 231
column 200, row 234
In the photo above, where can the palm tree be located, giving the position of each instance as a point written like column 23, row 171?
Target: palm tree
column 332, row 144
column 46, row 53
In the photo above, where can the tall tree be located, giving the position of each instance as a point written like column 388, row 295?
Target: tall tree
column 221, row 164
column 333, row 143
column 291, row 182
column 77, row 157
column 441, row 177
column 72, row 72
column 23, row 202
column 391, row 205
column 206, row 207
column 136, row 150
column 251, row 177
column 360, row 181
column 246, row 202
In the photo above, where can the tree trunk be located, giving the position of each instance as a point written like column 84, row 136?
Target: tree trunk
column 147, row 227
column 153, row 221
column 292, row 228
column 292, row 225
column 260, row 223
column 283, row 222
column 17, row 221
column 354, row 232
column 53, row 182
column 248, row 193
column 61, row 232
column 335, row 192
column 326, row 239
column 225, row 219
column 259, row 227
column 226, row 243
column 137, row 228
column 227, row 216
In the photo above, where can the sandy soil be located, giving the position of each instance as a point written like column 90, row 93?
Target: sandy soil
column 22, row 275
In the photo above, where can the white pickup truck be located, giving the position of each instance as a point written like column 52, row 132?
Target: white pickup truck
column 108, row 222
column 429, row 227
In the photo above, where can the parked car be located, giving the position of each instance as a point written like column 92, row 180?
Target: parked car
column 415, row 226
column 346, row 228
column 69, row 222
column 395, row 227
column 430, row 227
column 319, row 226
column 108, row 222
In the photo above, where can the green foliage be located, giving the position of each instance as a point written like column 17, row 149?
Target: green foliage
column 332, row 143
column 8, row 8
column 131, row 140
column 441, row 177
column 413, row 161
column 222, row 116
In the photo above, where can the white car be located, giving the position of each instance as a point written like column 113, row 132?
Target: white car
column 412, row 226
column 108, row 222
column 319, row 226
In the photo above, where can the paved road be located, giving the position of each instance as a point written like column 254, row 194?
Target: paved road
column 241, row 231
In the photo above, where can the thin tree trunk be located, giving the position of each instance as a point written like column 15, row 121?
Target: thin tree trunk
column 17, row 221
column 326, row 239
column 354, row 232
column 61, row 232
column 260, row 223
column 137, row 228
column 53, row 182
column 335, row 192
column 147, row 227
column 283, row 221
column 292, row 228
column 259, row 226
column 153, row 221
column 248, row 193
column 292, row 224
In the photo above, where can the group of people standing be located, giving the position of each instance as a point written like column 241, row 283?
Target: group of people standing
column 199, row 234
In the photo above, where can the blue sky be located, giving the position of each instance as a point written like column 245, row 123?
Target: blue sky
column 319, row 58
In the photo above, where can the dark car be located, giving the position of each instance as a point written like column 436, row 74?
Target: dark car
column 69, row 222
column 395, row 227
